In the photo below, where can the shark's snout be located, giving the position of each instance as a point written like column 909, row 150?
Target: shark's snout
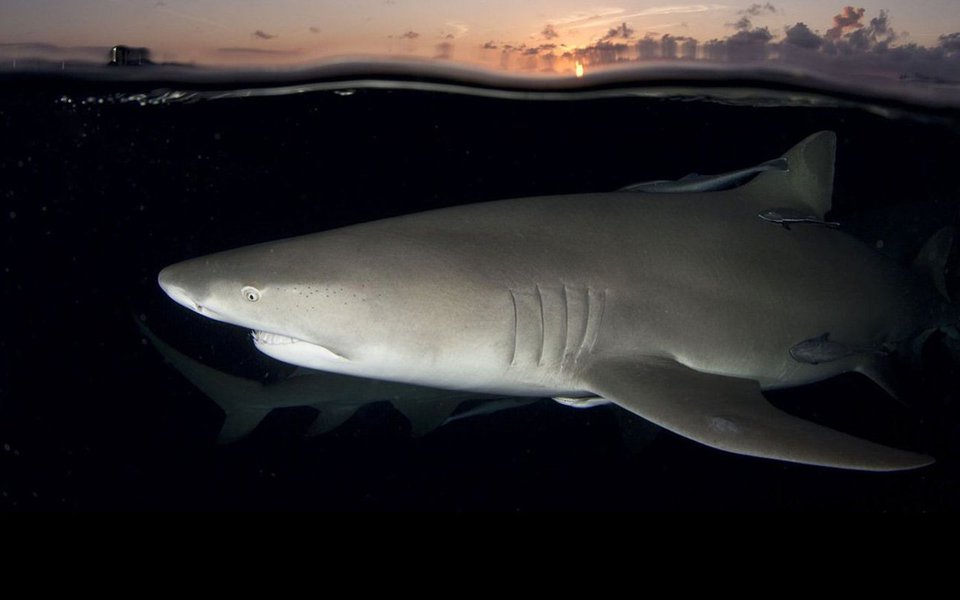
column 169, row 284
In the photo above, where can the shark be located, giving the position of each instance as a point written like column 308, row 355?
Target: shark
column 680, row 305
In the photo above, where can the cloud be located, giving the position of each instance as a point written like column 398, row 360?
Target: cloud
column 950, row 41
column 760, row 35
column 623, row 31
column 45, row 51
column 261, row 51
column 606, row 16
column 681, row 9
column 648, row 48
column 856, row 44
column 314, row 30
column 744, row 45
column 581, row 17
column 549, row 32
column 613, row 52
column 848, row 19
column 880, row 30
column 688, row 47
column 672, row 47
column 802, row 37
column 34, row 46
column 162, row 7
column 873, row 37
column 444, row 50
column 755, row 10
column 263, row 35
column 668, row 46
column 410, row 35
column 459, row 27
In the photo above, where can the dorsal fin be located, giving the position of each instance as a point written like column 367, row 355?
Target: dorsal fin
column 808, row 181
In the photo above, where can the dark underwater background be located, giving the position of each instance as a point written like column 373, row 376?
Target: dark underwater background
column 103, row 183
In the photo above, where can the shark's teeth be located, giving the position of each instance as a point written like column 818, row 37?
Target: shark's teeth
column 265, row 337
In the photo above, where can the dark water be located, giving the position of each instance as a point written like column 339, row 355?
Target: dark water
column 98, row 196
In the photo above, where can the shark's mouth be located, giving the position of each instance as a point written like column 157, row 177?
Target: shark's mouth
column 286, row 348
column 272, row 339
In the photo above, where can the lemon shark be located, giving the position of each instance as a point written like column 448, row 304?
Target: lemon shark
column 678, row 303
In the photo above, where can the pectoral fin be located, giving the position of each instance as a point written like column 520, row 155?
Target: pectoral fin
column 731, row 414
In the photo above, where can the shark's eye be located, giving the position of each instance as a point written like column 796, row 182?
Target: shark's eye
column 251, row 293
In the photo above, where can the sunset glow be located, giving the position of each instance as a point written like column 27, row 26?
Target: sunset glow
column 559, row 37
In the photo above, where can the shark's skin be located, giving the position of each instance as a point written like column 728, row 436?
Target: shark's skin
column 679, row 307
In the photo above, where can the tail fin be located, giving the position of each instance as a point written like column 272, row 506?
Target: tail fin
column 236, row 396
column 932, row 258
column 808, row 181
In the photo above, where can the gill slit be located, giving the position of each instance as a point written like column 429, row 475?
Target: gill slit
column 591, row 340
column 564, row 327
column 543, row 335
column 516, row 327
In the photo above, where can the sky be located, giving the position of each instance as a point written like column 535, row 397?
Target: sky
column 523, row 35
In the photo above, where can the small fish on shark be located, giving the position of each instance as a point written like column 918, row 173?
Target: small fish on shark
column 791, row 216
column 617, row 297
column 822, row 349
column 695, row 182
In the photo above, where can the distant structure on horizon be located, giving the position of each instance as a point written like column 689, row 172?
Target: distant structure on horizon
column 126, row 56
